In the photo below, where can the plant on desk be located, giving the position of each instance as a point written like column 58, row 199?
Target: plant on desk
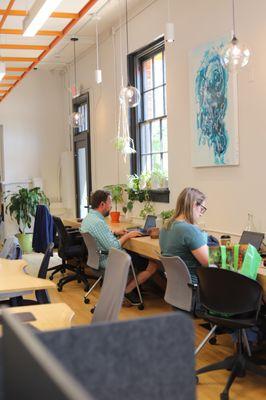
column 117, row 197
column 22, row 207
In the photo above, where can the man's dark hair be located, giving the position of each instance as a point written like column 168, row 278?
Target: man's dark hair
column 98, row 196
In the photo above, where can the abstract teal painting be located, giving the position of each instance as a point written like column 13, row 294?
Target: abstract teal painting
column 213, row 108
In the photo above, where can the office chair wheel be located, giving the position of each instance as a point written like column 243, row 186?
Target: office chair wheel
column 92, row 310
column 197, row 380
column 141, row 307
column 87, row 288
column 59, row 288
column 51, row 277
column 86, row 301
column 224, row 396
column 213, row 340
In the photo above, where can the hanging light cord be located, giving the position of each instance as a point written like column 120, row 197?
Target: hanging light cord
column 97, row 45
column 234, row 26
column 75, row 65
column 126, row 27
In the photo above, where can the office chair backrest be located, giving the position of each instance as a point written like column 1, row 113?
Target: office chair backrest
column 178, row 292
column 93, row 259
column 45, row 261
column 227, row 291
column 41, row 295
column 61, row 230
column 114, row 284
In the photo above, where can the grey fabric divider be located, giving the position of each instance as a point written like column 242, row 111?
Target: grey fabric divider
column 144, row 359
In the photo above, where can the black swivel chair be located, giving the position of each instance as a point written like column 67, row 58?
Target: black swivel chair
column 71, row 247
column 41, row 295
column 225, row 292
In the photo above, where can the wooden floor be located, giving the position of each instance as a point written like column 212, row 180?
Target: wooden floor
column 211, row 384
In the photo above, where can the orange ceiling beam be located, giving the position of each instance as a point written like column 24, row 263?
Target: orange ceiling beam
column 22, row 47
column 69, row 26
column 11, row 77
column 20, row 31
column 16, row 69
column 23, row 13
column 19, row 59
column 5, row 15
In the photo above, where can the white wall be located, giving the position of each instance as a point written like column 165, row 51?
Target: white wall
column 33, row 125
column 232, row 191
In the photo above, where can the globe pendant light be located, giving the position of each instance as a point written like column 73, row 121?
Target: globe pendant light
column 129, row 95
column 235, row 55
column 76, row 117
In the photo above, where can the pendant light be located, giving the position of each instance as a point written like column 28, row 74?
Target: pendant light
column 98, row 71
column 75, row 116
column 129, row 95
column 169, row 27
column 235, row 55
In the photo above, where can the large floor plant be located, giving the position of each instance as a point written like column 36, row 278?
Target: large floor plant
column 22, row 207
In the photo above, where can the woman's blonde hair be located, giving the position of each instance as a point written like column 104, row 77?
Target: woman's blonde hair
column 184, row 205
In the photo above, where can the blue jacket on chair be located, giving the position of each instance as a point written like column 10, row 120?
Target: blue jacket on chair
column 43, row 232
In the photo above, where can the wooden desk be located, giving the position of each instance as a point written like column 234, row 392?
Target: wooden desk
column 150, row 248
column 48, row 316
column 13, row 278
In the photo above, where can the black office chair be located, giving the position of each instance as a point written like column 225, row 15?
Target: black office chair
column 71, row 247
column 222, row 293
column 41, row 295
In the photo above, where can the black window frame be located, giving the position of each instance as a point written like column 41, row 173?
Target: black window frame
column 134, row 61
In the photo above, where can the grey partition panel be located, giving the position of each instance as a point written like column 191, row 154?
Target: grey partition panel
column 144, row 359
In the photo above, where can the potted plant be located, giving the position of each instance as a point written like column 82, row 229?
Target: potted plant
column 117, row 197
column 138, row 190
column 22, row 207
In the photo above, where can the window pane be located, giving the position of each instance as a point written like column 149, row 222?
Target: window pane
column 156, row 162
column 158, row 69
column 147, row 74
column 159, row 102
column 148, row 105
column 165, row 163
column 164, row 135
column 165, row 101
column 146, row 164
column 156, row 140
column 145, row 138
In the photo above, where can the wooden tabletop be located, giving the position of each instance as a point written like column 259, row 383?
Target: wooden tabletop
column 13, row 278
column 48, row 316
column 150, row 248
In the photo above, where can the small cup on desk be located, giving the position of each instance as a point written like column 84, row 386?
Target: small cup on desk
column 154, row 233
column 225, row 240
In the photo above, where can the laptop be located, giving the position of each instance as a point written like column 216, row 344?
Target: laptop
column 149, row 223
column 254, row 238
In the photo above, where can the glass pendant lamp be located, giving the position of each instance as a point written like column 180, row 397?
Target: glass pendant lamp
column 76, row 117
column 235, row 55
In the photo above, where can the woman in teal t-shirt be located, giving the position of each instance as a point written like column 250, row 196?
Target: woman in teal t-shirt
column 182, row 237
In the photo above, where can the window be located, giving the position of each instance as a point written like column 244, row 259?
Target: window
column 149, row 119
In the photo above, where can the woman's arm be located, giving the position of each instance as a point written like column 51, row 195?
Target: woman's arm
column 202, row 255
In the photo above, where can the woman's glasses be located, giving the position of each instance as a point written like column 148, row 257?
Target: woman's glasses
column 203, row 209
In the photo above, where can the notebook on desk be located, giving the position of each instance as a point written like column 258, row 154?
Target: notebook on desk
column 149, row 223
column 254, row 238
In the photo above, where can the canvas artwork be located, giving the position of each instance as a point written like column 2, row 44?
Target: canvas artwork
column 213, row 108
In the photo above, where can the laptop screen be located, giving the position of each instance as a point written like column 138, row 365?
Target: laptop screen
column 150, row 222
column 254, row 238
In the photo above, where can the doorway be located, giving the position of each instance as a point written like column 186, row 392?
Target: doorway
column 82, row 156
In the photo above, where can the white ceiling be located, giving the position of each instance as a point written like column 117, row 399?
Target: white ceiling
column 109, row 11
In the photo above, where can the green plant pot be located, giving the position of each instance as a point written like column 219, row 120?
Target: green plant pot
column 25, row 242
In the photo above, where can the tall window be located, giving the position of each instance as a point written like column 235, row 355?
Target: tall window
column 149, row 120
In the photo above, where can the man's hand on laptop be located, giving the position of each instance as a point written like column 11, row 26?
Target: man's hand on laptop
column 129, row 235
column 120, row 232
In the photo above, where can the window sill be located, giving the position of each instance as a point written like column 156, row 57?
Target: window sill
column 160, row 195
